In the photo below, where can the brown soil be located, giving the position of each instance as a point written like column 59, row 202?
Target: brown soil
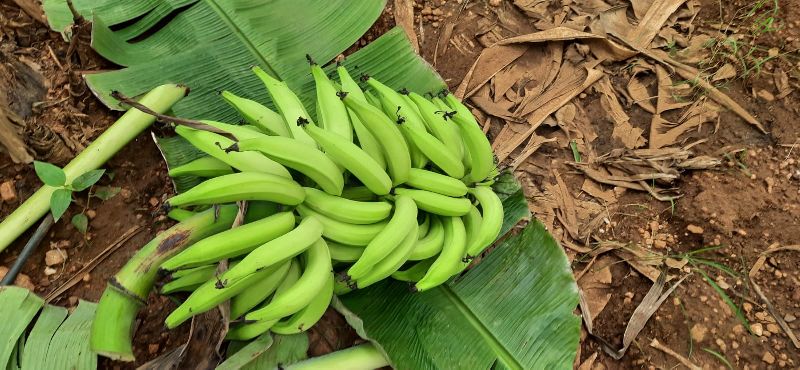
column 743, row 207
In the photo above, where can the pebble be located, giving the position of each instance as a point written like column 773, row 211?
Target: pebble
column 495, row 2
column 152, row 348
column 765, row 95
column 72, row 301
column 698, row 332
column 91, row 214
column 694, row 229
column 768, row 358
column 86, row 278
column 757, row 329
column 722, row 283
column 54, row 257
column 22, row 280
column 48, row 271
column 721, row 344
column 154, row 201
column 789, row 318
column 773, row 328
column 7, row 192
column 661, row 244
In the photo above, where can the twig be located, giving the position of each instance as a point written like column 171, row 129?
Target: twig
column 55, row 58
column 33, row 242
column 197, row 125
column 78, row 276
column 685, row 361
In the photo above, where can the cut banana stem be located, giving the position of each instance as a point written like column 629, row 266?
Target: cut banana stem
column 241, row 186
column 288, row 104
column 212, row 144
column 316, row 275
column 305, row 159
column 449, row 261
column 346, row 210
column 436, row 203
column 402, row 222
column 342, row 232
column 436, row 182
column 261, row 290
column 353, row 159
column 257, row 114
column 431, row 244
column 331, row 112
column 395, row 148
column 202, row 167
column 232, row 243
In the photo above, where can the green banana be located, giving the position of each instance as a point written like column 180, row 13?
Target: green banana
column 353, row 159
column 309, row 315
column 395, row 149
column 431, row 244
column 449, row 261
column 211, row 294
column 344, row 253
column 257, row 210
column 360, row 193
column 365, row 139
column 436, row 203
column 212, row 144
column 472, row 224
column 434, row 150
column 179, row 215
column 288, row 104
column 436, row 182
column 247, row 331
column 404, row 93
column 391, row 263
column 398, row 111
column 414, row 273
column 283, row 247
column 438, row 125
column 189, row 281
column 425, row 225
column 492, row 222
column 261, row 290
column 241, row 186
column 331, row 112
column 316, row 275
column 372, row 100
column 342, row 232
column 475, row 141
column 258, row 115
column 346, row 210
column 240, row 132
column 231, row 243
column 292, row 153
column 202, row 167
column 401, row 223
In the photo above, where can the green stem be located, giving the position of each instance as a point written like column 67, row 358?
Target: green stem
column 127, row 291
column 361, row 357
column 130, row 125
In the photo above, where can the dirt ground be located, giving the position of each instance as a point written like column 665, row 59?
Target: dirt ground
column 739, row 208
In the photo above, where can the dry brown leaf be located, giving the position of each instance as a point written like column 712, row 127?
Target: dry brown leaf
column 491, row 61
column 594, row 189
column 640, row 7
column 596, row 285
column 638, row 91
column 589, row 363
column 649, row 25
column 553, row 34
column 781, row 79
column 725, row 72
column 623, row 131
column 566, row 211
column 534, row 143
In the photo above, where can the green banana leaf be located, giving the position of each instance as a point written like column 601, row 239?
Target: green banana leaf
column 57, row 340
column 209, row 45
column 513, row 310
column 266, row 352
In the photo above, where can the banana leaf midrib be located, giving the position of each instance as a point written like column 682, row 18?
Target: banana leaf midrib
column 242, row 37
column 503, row 355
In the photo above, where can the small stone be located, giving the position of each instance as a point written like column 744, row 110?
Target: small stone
column 789, row 318
column 152, row 348
column 72, row 301
column 125, row 193
column 7, row 192
column 154, row 201
column 698, row 332
column 660, row 244
column 24, row 281
column 86, row 278
column 91, row 214
column 768, row 358
column 426, row 10
column 735, row 345
column 738, row 329
column 694, row 229
column 722, row 283
column 49, row 271
column 757, row 329
column 773, row 328
column 54, row 257
column 761, row 315
column 721, row 344
column 494, row 2
column 747, row 307
column 435, row 24
column 741, row 232
column 703, row 298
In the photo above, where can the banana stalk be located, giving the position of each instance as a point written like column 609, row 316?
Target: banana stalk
column 130, row 125
column 127, row 291
column 361, row 357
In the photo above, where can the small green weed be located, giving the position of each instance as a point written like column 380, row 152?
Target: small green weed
column 54, row 176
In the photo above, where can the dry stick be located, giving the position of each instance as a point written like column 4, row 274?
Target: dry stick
column 685, row 361
column 78, row 276
column 197, row 125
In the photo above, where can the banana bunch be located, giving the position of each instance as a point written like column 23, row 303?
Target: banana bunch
column 384, row 184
